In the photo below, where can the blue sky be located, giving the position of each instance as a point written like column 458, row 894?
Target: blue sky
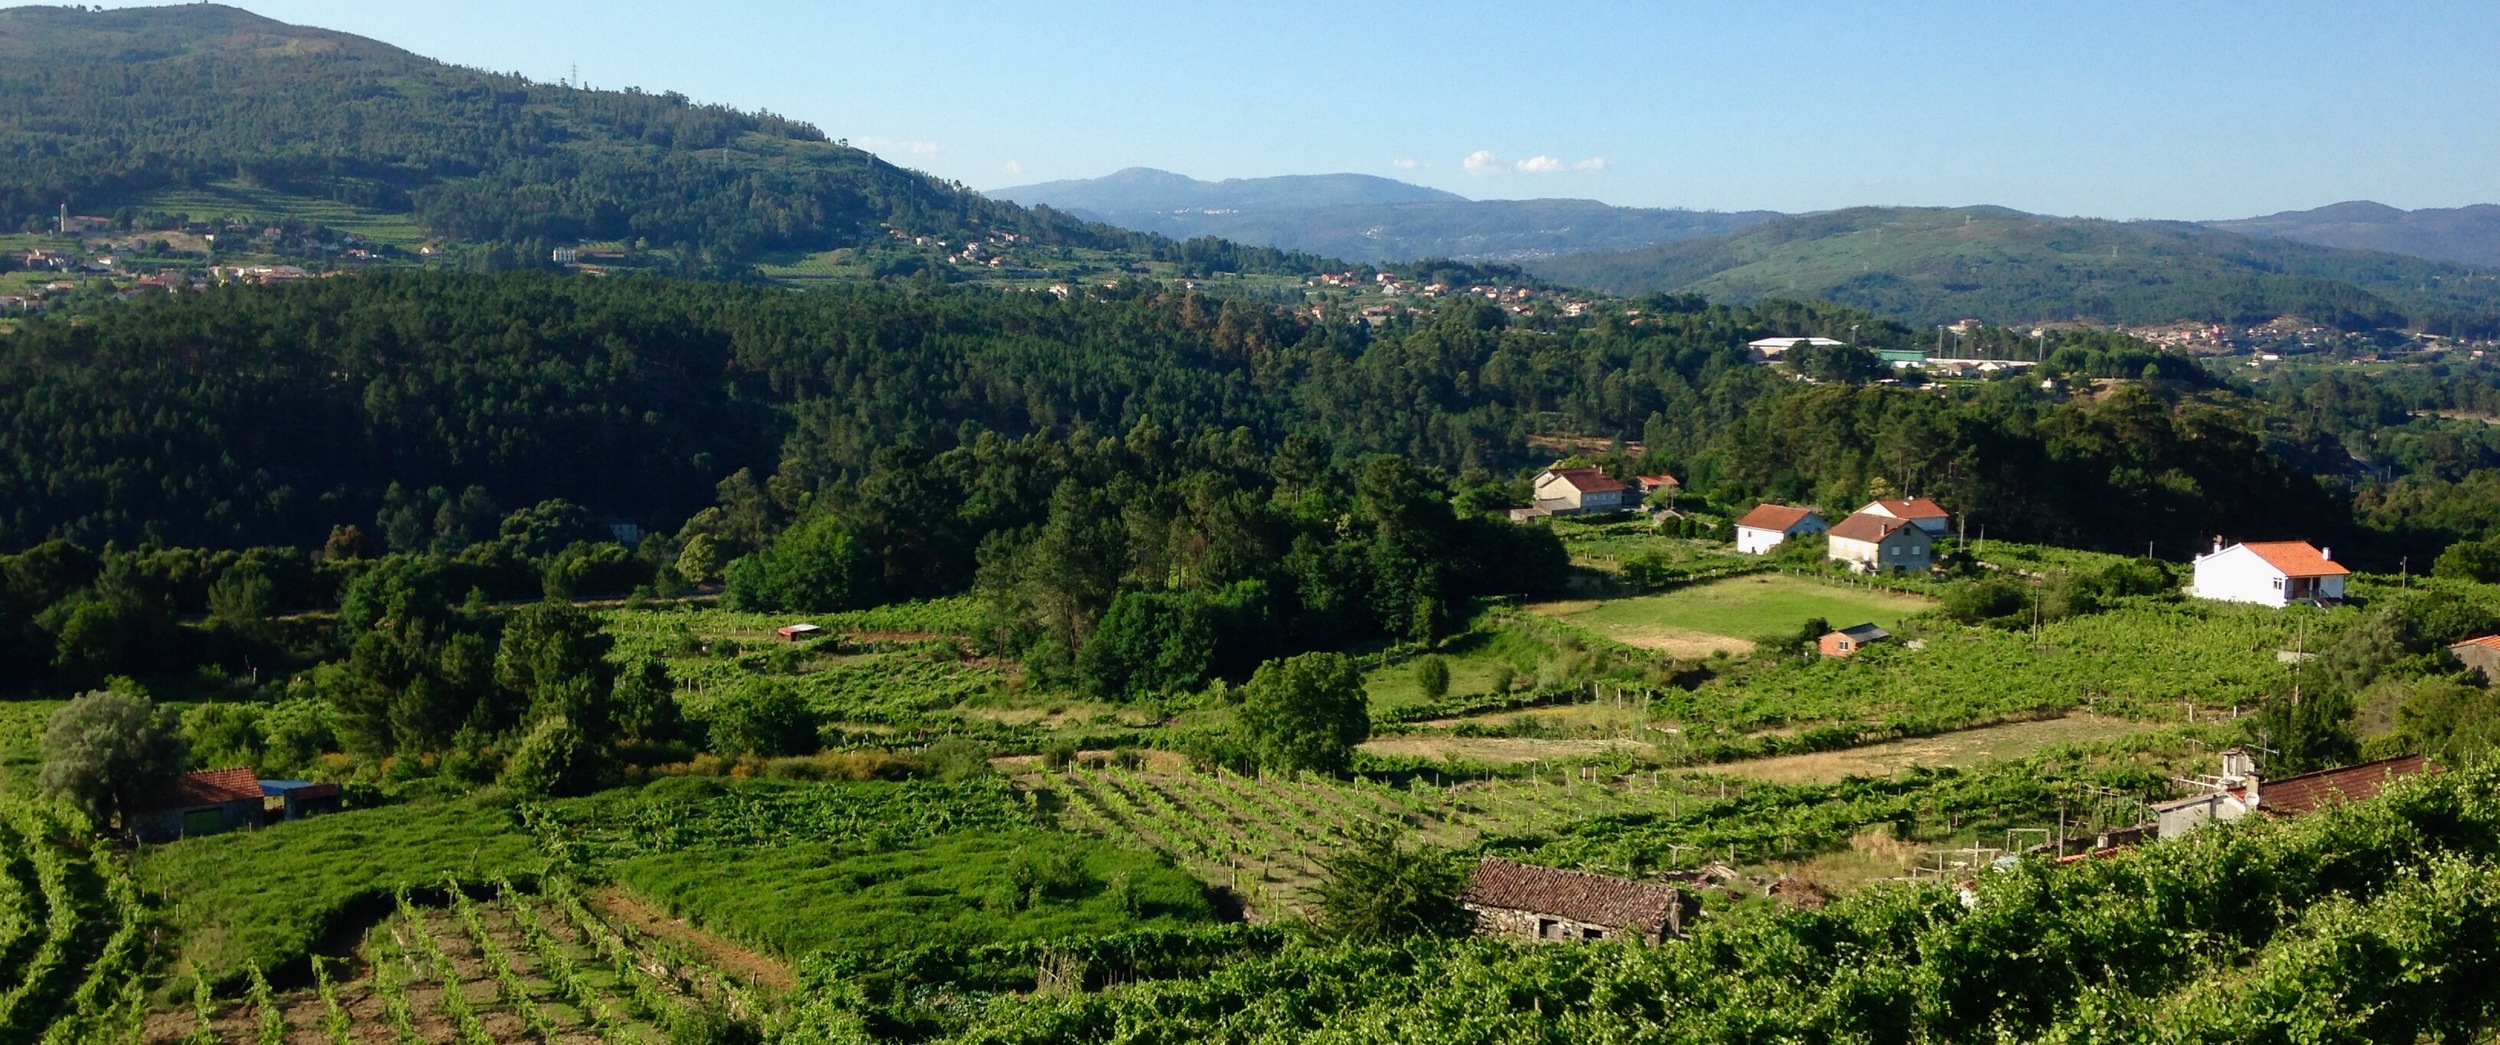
column 2113, row 109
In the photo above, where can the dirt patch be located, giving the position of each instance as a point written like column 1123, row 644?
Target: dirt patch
column 737, row 961
column 1963, row 748
column 1678, row 642
column 1564, row 608
column 1499, row 750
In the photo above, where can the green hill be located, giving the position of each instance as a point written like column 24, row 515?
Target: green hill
column 1934, row 265
column 148, row 109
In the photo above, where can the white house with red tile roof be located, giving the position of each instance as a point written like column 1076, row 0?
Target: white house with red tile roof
column 1925, row 514
column 1880, row 544
column 2269, row 573
column 1763, row 528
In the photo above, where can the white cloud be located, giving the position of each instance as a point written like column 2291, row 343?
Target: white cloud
column 905, row 147
column 1406, row 165
column 1482, row 162
column 1013, row 167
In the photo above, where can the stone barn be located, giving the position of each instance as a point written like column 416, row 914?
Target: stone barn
column 1543, row 903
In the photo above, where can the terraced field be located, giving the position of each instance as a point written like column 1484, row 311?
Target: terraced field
column 72, row 930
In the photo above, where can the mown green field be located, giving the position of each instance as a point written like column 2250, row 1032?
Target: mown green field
column 1742, row 608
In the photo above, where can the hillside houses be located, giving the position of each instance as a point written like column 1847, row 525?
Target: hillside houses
column 1919, row 511
column 1564, row 492
column 2270, row 573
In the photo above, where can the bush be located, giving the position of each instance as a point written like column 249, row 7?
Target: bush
column 769, row 720
column 1432, row 674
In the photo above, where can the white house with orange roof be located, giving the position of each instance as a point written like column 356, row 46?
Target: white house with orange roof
column 2269, row 573
column 1918, row 511
column 1763, row 528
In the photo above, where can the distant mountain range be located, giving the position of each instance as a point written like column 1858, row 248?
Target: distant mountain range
column 2468, row 235
column 1364, row 218
column 1934, row 265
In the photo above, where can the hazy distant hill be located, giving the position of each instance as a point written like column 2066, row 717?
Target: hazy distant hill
column 109, row 109
column 1364, row 218
column 1932, row 265
column 1147, row 190
column 2470, row 235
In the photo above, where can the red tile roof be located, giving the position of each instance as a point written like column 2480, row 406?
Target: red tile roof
column 213, row 787
column 1909, row 508
column 1660, row 480
column 1594, row 899
column 2308, row 791
column 2489, row 642
column 2296, row 558
column 1587, row 480
column 1774, row 517
column 1872, row 529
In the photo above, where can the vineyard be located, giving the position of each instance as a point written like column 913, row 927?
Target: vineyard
column 506, row 967
column 73, row 933
column 1264, row 838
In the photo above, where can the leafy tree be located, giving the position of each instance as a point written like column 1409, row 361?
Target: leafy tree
column 2312, row 731
column 770, row 720
column 2470, row 560
column 2450, row 721
column 220, row 735
column 812, row 567
column 558, row 757
column 109, row 753
column 1374, row 888
column 1148, row 643
column 1306, row 712
column 554, row 657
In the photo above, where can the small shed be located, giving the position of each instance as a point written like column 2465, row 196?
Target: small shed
column 1848, row 641
column 1544, row 903
column 203, row 803
column 797, row 632
column 297, row 799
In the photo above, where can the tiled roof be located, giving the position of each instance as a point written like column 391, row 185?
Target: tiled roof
column 1595, row 899
column 2308, row 791
column 2489, row 642
column 1908, row 508
column 213, row 787
column 1660, row 480
column 1587, row 480
column 2296, row 558
column 1774, row 517
column 1869, row 528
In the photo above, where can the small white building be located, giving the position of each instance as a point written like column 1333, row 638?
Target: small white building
column 1881, row 544
column 1918, row 511
column 1763, row 528
column 2269, row 573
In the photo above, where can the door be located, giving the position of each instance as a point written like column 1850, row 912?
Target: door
column 203, row 821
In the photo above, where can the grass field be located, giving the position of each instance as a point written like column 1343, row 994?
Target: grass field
column 1729, row 614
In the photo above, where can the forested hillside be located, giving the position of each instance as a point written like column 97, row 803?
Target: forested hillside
column 269, row 415
column 105, row 108
column 2466, row 235
column 1937, row 265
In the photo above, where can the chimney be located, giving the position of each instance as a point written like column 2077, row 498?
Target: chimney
column 2236, row 764
column 2252, row 790
column 2327, row 553
column 2217, row 542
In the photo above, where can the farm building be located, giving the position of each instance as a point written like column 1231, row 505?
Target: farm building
column 1543, row 903
column 297, row 799
column 1577, row 491
column 1848, row 641
column 2239, row 791
column 1651, row 484
column 1880, row 544
column 202, row 803
column 2270, row 573
column 797, row 632
column 2481, row 653
column 1919, row 511
column 1763, row 528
